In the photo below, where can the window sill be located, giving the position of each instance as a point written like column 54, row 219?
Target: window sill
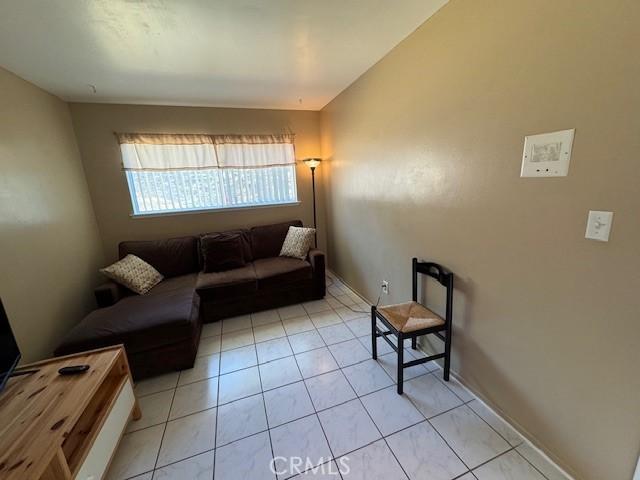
column 212, row 210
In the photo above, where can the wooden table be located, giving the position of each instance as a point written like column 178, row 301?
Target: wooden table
column 66, row 427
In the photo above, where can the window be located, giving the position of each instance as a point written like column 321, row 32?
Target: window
column 178, row 173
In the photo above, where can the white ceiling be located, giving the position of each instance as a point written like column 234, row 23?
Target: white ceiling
column 289, row 54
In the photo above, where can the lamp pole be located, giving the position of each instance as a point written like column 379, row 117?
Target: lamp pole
column 313, row 188
column 312, row 163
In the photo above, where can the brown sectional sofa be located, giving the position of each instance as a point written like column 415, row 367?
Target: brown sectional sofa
column 161, row 329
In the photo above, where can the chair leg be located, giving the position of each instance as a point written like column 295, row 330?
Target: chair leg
column 447, row 355
column 414, row 343
column 400, row 375
column 374, row 337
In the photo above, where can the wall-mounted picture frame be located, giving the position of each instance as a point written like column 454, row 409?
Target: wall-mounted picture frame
column 547, row 154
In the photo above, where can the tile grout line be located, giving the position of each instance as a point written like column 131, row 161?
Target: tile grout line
column 289, row 384
column 492, row 459
column 285, row 423
column 292, row 383
column 491, row 426
column 175, row 388
column 382, row 437
column 428, row 419
column 306, row 416
column 307, row 316
column 327, row 346
column 448, row 445
column 340, row 368
column 358, row 397
column 425, row 419
column 169, row 419
column 164, row 430
column 527, row 460
column 314, row 407
column 215, row 433
column 264, row 404
column 432, row 426
column 511, row 447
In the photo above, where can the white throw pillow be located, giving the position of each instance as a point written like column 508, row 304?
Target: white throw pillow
column 134, row 273
column 298, row 242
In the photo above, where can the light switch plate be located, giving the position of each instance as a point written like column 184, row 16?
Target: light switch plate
column 599, row 225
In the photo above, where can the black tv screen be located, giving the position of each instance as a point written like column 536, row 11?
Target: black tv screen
column 9, row 352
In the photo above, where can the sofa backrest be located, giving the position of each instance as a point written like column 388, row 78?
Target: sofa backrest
column 267, row 240
column 171, row 257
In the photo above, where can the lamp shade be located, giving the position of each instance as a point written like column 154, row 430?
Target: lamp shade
column 312, row 162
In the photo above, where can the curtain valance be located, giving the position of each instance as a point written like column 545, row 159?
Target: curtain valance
column 152, row 151
column 285, row 138
column 164, row 139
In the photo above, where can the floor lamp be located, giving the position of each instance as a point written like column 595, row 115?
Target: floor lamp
column 312, row 163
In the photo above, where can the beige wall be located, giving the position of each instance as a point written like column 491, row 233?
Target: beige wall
column 425, row 153
column 95, row 125
column 48, row 235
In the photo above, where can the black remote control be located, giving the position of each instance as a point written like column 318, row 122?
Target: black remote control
column 73, row 370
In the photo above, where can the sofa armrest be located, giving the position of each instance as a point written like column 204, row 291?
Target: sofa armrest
column 317, row 260
column 107, row 294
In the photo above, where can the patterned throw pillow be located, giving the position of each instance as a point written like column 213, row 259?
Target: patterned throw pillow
column 298, row 242
column 134, row 273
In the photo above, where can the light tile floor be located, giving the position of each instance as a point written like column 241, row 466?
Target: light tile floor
column 300, row 381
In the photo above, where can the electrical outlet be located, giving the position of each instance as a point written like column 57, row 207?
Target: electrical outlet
column 385, row 287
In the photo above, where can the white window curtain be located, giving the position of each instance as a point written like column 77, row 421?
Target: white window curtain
column 171, row 173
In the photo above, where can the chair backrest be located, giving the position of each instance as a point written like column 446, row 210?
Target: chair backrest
column 441, row 274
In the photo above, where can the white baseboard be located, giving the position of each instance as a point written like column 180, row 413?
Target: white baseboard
column 525, row 435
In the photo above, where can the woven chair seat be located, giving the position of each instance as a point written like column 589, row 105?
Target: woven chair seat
column 410, row 316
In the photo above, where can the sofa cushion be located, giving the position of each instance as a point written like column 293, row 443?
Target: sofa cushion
column 171, row 257
column 228, row 284
column 166, row 315
column 183, row 282
column 276, row 271
column 267, row 240
column 222, row 251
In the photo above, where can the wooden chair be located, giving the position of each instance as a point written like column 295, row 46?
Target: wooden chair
column 412, row 319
